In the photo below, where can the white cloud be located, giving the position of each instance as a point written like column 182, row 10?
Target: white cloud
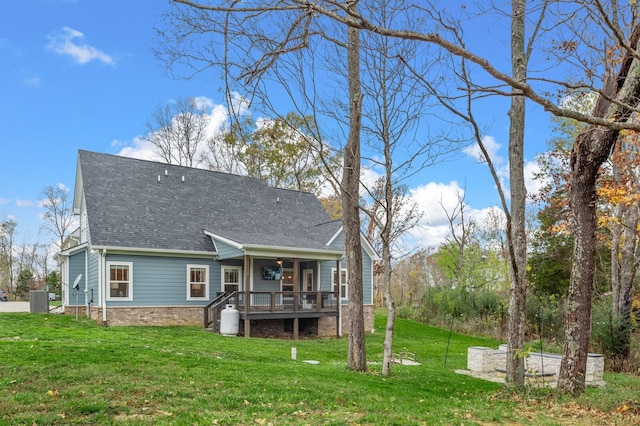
column 141, row 148
column 436, row 201
column 25, row 203
column 492, row 148
column 67, row 42
column 31, row 82
column 531, row 168
column 368, row 179
column 433, row 198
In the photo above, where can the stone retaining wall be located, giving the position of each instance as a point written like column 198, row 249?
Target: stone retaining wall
column 481, row 359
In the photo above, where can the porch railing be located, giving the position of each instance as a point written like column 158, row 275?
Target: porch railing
column 213, row 309
column 288, row 301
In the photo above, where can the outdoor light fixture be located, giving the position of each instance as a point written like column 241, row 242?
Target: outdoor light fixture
column 279, row 261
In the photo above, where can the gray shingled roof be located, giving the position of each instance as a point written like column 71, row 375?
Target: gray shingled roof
column 132, row 203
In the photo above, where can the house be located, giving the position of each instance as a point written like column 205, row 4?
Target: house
column 161, row 244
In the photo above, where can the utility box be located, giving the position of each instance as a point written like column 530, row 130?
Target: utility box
column 38, row 302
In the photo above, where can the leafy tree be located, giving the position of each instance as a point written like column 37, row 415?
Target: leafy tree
column 24, row 283
column 281, row 152
column 54, row 282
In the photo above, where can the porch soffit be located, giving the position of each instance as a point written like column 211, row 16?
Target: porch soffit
column 258, row 250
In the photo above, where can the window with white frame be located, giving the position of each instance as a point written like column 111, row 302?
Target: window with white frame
column 286, row 284
column 120, row 280
column 231, row 278
column 197, row 282
column 343, row 282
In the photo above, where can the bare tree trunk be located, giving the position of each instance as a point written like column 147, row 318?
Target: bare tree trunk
column 357, row 359
column 391, row 314
column 518, row 288
column 590, row 149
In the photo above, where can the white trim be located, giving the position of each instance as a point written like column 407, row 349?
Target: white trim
column 65, row 282
column 159, row 252
column 108, row 281
column 369, row 249
column 72, row 250
column 102, row 257
column 306, row 272
column 340, row 283
column 366, row 244
column 284, row 273
column 271, row 251
column 232, row 243
column 278, row 251
column 87, row 291
column 333, row 238
column 206, row 281
column 240, row 277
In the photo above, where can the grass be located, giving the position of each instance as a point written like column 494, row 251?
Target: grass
column 55, row 370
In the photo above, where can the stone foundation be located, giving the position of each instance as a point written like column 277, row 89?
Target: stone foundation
column 327, row 326
column 145, row 315
column 187, row 315
column 369, row 324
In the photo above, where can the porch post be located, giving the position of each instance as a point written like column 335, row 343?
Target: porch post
column 247, row 296
column 296, row 297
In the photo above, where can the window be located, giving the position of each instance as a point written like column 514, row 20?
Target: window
column 197, row 282
column 231, row 278
column 343, row 282
column 307, row 275
column 287, row 279
column 120, row 280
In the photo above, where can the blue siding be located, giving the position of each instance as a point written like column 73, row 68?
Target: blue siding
column 367, row 265
column 260, row 284
column 162, row 281
column 92, row 276
column 225, row 251
column 77, row 267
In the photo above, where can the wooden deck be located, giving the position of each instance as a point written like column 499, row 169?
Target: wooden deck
column 274, row 305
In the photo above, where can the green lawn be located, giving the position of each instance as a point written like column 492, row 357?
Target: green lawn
column 56, row 370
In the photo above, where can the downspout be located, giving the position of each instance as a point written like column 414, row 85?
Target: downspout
column 339, row 272
column 102, row 285
column 86, row 283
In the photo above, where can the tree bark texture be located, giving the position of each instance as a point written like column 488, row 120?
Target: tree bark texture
column 387, row 345
column 624, row 251
column 357, row 359
column 624, row 255
column 590, row 149
column 518, row 287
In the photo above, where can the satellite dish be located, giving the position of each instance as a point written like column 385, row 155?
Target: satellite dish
column 76, row 283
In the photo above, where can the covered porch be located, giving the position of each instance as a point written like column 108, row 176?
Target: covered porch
column 287, row 289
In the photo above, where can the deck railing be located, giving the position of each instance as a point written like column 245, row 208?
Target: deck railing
column 271, row 302
column 213, row 309
column 288, row 301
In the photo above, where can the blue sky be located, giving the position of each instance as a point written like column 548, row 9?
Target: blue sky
column 81, row 75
